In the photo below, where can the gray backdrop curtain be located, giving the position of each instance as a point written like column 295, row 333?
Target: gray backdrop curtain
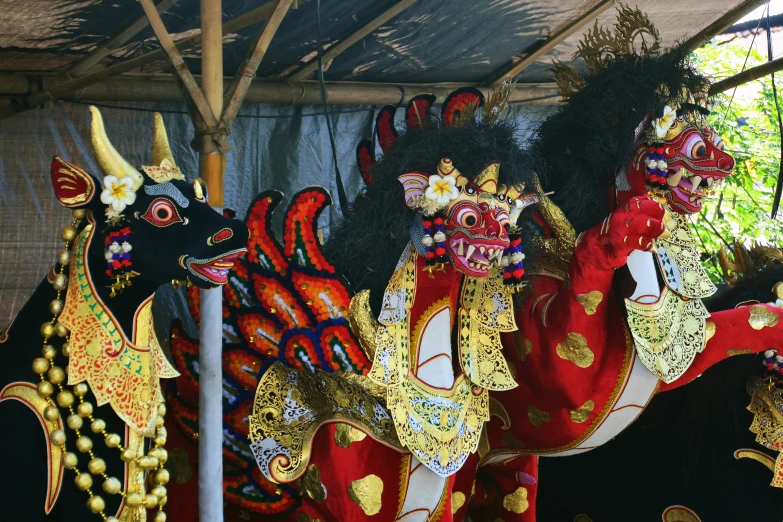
column 273, row 147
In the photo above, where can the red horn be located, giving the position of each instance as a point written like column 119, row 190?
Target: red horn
column 418, row 111
column 365, row 158
column 384, row 127
column 460, row 103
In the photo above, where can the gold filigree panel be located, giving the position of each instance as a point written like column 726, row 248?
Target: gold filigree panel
column 668, row 334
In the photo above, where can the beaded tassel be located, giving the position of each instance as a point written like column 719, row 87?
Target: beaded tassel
column 773, row 364
column 512, row 262
column 78, row 414
column 655, row 167
column 434, row 243
column 118, row 259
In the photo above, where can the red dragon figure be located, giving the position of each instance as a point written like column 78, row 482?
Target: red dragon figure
column 335, row 437
column 614, row 314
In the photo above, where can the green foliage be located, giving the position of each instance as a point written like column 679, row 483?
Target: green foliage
column 749, row 127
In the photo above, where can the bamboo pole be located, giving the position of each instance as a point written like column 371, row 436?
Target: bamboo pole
column 748, row 75
column 554, row 39
column 351, row 39
column 71, row 87
column 247, row 71
column 722, row 23
column 212, row 169
column 181, row 68
column 116, row 41
column 162, row 88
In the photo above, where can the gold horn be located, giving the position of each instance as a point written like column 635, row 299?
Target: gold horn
column 110, row 161
column 160, row 143
column 487, row 179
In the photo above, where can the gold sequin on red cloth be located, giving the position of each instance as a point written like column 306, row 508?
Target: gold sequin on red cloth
column 123, row 373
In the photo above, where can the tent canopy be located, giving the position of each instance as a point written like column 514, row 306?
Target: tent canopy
column 430, row 41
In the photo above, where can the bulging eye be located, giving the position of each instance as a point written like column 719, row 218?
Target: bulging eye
column 718, row 142
column 162, row 213
column 503, row 219
column 470, row 190
column 467, row 217
column 695, row 147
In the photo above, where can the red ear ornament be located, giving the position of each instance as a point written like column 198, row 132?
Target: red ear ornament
column 72, row 186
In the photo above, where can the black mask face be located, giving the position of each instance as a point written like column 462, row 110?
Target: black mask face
column 174, row 233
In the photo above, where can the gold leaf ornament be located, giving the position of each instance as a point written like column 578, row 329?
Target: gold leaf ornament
column 367, row 494
column 574, row 348
column 634, row 32
column 710, row 331
column 345, row 435
column 590, row 301
column 738, row 351
column 310, row 484
column 580, row 414
column 516, row 502
column 457, row 501
column 537, row 417
column 523, row 347
column 761, row 316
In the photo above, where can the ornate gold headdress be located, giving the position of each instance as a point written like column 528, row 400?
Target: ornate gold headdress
column 633, row 35
column 747, row 261
column 498, row 100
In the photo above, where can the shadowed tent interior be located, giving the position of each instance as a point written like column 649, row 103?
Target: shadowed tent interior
column 424, row 44
column 428, row 42
column 428, row 46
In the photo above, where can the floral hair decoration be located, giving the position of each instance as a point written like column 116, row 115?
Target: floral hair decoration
column 473, row 223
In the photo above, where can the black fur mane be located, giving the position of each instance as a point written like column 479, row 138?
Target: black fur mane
column 367, row 244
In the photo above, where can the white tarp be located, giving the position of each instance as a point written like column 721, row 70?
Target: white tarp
column 274, row 147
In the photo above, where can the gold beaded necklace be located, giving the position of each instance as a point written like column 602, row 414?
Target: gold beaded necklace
column 54, row 376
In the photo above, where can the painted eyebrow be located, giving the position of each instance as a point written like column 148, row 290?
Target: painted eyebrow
column 167, row 189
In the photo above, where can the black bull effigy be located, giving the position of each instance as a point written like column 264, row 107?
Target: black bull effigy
column 80, row 398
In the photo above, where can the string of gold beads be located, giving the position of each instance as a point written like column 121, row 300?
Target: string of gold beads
column 54, row 376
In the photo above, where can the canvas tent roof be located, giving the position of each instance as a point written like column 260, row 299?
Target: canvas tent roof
column 430, row 41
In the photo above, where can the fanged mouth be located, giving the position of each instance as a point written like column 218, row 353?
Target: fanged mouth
column 478, row 255
column 215, row 270
column 693, row 189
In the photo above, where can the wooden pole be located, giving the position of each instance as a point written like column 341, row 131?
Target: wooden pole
column 722, row 23
column 181, row 69
column 351, row 39
column 71, row 87
column 554, row 39
column 247, row 71
column 115, row 42
column 212, row 168
column 748, row 75
column 162, row 88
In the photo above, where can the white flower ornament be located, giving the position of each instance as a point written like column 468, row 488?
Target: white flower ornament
column 118, row 193
column 664, row 123
column 442, row 189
